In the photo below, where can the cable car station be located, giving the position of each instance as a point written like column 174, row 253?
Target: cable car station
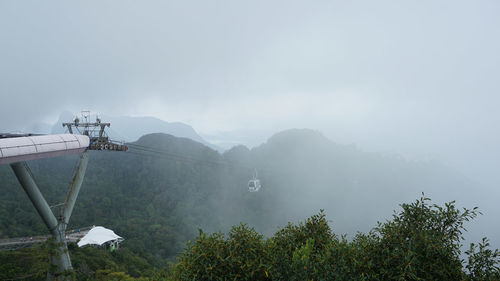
column 16, row 149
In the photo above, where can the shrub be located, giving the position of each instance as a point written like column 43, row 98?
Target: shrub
column 483, row 263
column 242, row 256
column 421, row 242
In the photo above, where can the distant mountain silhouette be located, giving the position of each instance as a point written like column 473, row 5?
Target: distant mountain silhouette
column 127, row 128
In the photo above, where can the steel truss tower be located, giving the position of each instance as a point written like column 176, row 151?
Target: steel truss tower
column 99, row 140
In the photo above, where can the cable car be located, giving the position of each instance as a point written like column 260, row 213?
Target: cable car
column 254, row 183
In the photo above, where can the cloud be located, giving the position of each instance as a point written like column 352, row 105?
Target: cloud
column 391, row 75
column 418, row 78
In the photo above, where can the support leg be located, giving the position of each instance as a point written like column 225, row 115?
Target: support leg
column 56, row 227
column 74, row 187
column 24, row 177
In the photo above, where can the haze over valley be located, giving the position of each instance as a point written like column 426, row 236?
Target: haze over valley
column 341, row 110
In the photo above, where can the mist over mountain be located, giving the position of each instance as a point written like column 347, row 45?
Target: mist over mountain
column 303, row 172
column 159, row 193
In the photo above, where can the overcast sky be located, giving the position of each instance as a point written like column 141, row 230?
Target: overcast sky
column 413, row 77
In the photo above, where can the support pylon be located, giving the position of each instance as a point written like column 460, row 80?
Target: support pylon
column 56, row 225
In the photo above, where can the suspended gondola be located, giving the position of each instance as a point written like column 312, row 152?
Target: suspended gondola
column 254, row 184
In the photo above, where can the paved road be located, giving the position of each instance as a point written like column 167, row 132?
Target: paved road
column 15, row 243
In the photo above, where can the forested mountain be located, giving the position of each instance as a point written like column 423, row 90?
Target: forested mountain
column 159, row 193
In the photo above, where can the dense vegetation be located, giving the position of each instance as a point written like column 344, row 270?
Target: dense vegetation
column 89, row 263
column 160, row 193
column 422, row 242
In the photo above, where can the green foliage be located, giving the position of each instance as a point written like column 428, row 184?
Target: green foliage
column 24, row 264
column 109, row 275
column 298, row 250
column 89, row 261
column 157, row 201
column 483, row 263
column 422, row 242
column 240, row 256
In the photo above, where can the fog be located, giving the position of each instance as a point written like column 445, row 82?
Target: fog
column 416, row 79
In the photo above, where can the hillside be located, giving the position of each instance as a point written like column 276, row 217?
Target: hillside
column 303, row 172
column 165, row 188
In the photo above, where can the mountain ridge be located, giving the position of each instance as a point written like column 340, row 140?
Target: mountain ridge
column 130, row 129
column 158, row 199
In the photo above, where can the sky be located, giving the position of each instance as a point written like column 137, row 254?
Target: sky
column 417, row 78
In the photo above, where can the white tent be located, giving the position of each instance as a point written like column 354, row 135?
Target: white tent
column 99, row 235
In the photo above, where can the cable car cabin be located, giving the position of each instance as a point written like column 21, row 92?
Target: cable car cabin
column 254, row 185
